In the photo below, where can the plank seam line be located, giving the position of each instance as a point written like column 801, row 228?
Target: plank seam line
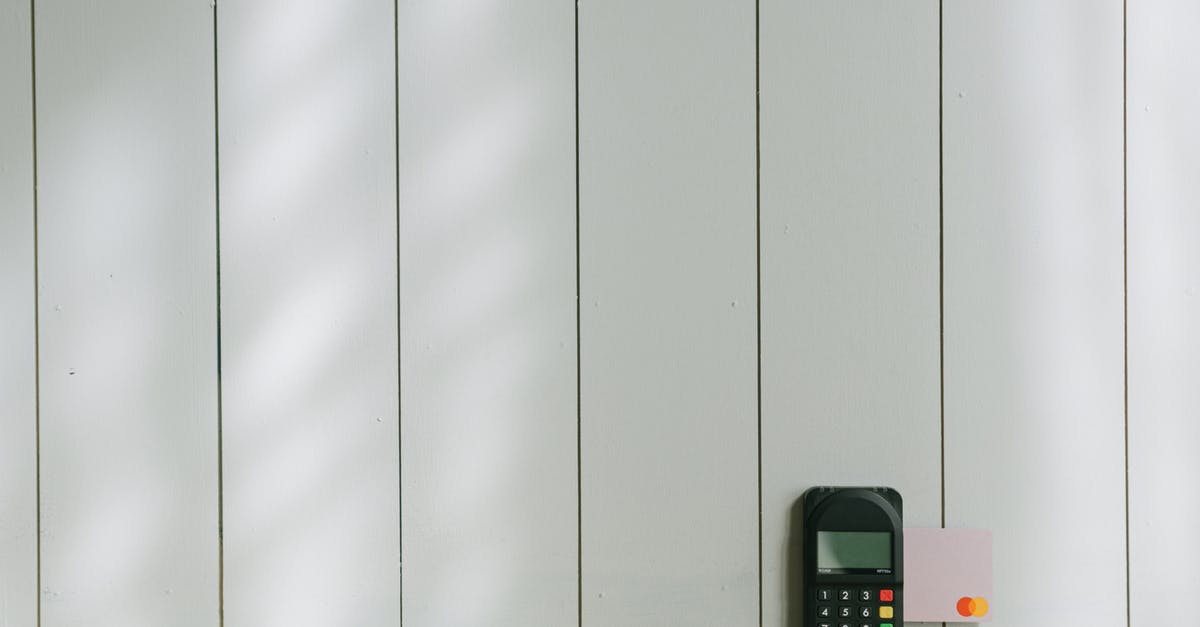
column 941, row 262
column 220, row 393
column 37, row 331
column 1125, row 283
column 399, row 340
column 941, row 269
column 758, row 290
column 578, row 358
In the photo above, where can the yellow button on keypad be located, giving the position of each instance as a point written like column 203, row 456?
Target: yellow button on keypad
column 885, row 611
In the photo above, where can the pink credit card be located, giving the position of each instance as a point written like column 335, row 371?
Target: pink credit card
column 947, row 575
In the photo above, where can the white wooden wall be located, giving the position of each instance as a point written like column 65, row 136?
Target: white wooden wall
column 481, row 313
column 1163, row 96
column 18, row 336
column 1033, row 301
column 668, row 442
column 849, row 262
column 127, row 313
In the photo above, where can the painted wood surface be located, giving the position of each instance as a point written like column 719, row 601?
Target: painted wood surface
column 431, row 293
column 308, row 297
column 850, row 392
column 18, row 395
column 667, row 329
column 1164, row 310
column 1034, row 372
column 127, row 271
column 487, row 224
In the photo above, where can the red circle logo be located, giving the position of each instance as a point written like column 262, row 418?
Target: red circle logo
column 972, row 606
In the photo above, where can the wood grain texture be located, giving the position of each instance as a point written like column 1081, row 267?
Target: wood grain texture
column 1034, row 375
column 309, row 338
column 1164, row 310
column 18, row 394
column 487, row 222
column 849, row 263
column 668, row 352
column 126, row 182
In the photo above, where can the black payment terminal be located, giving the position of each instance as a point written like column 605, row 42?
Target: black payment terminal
column 853, row 557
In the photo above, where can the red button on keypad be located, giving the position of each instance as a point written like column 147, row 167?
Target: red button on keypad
column 886, row 595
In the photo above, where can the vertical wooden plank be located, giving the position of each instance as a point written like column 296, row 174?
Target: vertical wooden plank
column 849, row 262
column 1164, row 279
column 487, row 222
column 668, row 346
column 1034, row 432
column 309, row 338
column 126, row 182
column 18, row 396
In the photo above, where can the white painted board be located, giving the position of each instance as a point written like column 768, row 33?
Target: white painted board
column 128, row 310
column 18, row 394
column 487, row 245
column 1034, row 358
column 849, row 268
column 308, row 302
column 1164, row 306
column 668, row 347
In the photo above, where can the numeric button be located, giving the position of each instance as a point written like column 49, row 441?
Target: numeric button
column 824, row 611
column 825, row 594
column 864, row 595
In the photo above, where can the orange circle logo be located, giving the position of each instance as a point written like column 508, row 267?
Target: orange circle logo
column 972, row 606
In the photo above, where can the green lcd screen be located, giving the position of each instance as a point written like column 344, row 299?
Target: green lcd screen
column 854, row 550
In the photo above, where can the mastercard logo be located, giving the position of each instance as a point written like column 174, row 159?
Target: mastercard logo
column 972, row 606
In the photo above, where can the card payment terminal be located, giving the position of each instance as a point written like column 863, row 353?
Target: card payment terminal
column 853, row 557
